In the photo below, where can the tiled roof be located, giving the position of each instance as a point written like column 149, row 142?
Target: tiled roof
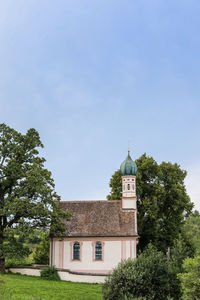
column 98, row 218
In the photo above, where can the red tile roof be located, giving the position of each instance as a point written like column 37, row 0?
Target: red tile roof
column 98, row 219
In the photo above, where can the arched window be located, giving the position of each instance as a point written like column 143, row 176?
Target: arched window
column 98, row 251
column 76, row 251
column 133, row 187
column 128, row 186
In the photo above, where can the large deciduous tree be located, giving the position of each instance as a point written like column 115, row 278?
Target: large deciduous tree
column 27, row 196
column 162, row 201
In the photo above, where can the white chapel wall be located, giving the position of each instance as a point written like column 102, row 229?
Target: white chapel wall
column 113, row 252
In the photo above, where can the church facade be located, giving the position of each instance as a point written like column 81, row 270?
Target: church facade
column 100, row 234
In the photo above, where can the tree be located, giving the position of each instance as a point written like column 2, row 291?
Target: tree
column 116, row 186
column 41, row 251
column 162, row 201
column 27, row 196
column 191, row 230
column 13, row 248
column 143, row 278
column 190, row 279
column 182, row 248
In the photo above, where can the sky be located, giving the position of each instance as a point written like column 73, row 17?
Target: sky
column 91, row 75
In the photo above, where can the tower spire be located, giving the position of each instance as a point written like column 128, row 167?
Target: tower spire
column 128, row 171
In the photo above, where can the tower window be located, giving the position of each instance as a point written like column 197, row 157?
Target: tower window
column 98, row 251
column 133, row 187
column 124, row 187
column 128, row 186
column 76, row 251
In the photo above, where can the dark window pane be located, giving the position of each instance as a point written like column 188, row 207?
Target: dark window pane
column 76, row 251
column 128, row 186
column 98, row 250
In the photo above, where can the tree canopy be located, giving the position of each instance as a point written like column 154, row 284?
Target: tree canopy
column 27, row 196
column 162, row 201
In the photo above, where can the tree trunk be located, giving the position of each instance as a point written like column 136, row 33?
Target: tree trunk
column 2, row 265
column 2, row 257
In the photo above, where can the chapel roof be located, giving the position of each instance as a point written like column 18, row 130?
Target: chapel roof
column 98, row 219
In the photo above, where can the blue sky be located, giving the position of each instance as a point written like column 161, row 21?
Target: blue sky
column 90, row 75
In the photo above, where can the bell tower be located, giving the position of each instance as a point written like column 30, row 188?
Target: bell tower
column 128, row 171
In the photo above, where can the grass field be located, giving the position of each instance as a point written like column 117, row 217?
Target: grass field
column 22, row 287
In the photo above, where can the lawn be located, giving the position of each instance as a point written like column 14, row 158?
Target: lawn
column 22, row 287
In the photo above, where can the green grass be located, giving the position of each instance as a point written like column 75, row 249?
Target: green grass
column 22, row 287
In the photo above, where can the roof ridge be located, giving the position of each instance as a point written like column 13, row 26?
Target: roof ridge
column 92, row 201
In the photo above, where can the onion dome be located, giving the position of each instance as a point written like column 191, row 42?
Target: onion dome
column 128, row 167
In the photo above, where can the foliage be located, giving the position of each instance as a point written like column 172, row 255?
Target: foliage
column 32, row 236
column 14, row 249
column 190, row 279
column 187, row 245
column 147, row 277
column 191, row 230
column 195, row 213
column 50, row 273
column 182, row 249
column 162, row 201
column 116, row 186
column 41, row 251
column 15, row 287
column 28, row 261
column 27, row 196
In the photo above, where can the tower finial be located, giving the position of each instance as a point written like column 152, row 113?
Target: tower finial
column 128, row 146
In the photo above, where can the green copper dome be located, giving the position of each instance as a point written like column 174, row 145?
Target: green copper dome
column 128, row 167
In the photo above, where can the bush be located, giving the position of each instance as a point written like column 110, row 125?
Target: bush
column 143, row 278
column 50, row 273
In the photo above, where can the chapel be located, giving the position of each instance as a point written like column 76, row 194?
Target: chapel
column 100, row 234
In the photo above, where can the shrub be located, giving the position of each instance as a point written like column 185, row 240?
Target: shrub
column 50, row 273
column 143, row 278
